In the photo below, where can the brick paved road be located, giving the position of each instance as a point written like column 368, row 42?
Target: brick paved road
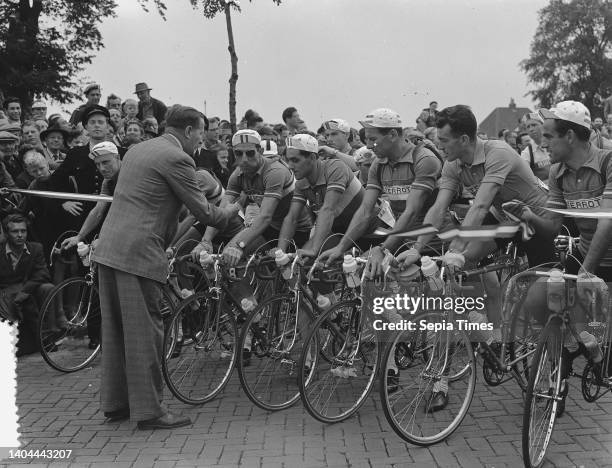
column 61, row 411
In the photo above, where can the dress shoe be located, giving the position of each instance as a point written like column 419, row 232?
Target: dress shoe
column 438, row 402
column 167, row 421
column 117, row 415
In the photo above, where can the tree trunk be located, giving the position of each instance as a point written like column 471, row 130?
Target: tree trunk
column 234, row 60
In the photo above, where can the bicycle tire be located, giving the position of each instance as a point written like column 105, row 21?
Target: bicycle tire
column 334, row 383
column 268, row 376
column 67, row 349
column 199, row 349
column 524, row 334
column 549, row 351
column 461, row 374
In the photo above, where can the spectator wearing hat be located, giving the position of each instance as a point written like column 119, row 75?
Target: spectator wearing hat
column 56, row 120
column 39, row 110
column 429, row 115
column 270, row 150
column 149, row 106
column 9, row 144
column 12, row 108
column 78, row 173
column 93, row 93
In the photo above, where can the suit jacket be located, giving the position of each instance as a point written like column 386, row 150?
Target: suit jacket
column 157, row 177
column 31, row 270
column 159, row 110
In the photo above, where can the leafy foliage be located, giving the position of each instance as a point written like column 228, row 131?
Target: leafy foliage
column 44, row 45
column 571, row 53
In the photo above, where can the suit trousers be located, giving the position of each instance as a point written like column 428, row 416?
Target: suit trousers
column 132, row 344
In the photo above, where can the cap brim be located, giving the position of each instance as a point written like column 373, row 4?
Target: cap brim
column 365, row 124
column 548, row 114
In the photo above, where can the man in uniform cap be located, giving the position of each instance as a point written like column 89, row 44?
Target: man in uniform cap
column 7, row 145
column 39, row 110
column 149, row 106
column 93, row 93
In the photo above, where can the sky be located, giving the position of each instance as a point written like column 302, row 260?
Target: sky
column 327, row 58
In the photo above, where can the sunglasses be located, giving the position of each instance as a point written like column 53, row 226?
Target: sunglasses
column 249, row 153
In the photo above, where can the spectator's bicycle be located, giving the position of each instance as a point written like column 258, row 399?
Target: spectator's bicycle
column 65, row 346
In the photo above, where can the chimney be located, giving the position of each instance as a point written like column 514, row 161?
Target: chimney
column 512, row 104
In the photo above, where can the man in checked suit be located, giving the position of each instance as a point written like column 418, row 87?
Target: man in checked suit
column 157, row 177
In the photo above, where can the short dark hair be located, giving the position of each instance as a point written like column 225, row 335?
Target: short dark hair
column 28, row 123
column 279, row 128
column 137, row 122
column 23, row 149
column 178, row 116
column 111, row 97
column 460, row 119
column 10, row 100
column 520, row 136
column 15, row 218
column 213, row 119
column 563, row 126
column 288, row 113
column 433, row 102
column 266, row 130
column 362, row 135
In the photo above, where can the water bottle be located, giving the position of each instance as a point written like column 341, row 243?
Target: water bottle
column 324, row 303
column 248, row 304
column 590, row 343
column 555, row 291
column 282, row 261
column 480, row 334
column 349, row 267
column 83, row 251
column 431, row 272
column 207, row 263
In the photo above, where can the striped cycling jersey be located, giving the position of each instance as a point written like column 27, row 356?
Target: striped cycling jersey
column 274, row 180
column 417, row 169
column 583, row 189
column 331, row 175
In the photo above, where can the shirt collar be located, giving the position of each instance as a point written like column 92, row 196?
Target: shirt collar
column 479, row 154
column 404, row 158
column 8, row 250
column 591, row 162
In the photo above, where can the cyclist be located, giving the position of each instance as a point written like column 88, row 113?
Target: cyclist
column 494, row 173
column 326, row 186
column 580, row 178
column 403, row 175
column 336, row 133
column 267, row 183
column 105, row 156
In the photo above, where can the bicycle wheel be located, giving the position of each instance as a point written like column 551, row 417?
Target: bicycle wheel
column 199, row 349
column 435, row 358
column 336, row 378
column 541, row 401
column 524, row 334
column 66, row 345
column 274, row 332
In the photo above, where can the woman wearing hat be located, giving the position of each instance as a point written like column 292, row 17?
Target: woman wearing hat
column 54, row 142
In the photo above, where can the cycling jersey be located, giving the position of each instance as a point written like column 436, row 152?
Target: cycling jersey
column 273, row 179
column 331, row 175
column 583, row 189
column 418, row 169
column 496, row 162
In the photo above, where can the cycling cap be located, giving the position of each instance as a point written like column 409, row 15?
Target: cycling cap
column 382, row 118
column 571, row 111
column 303, row 142
column 104, row 148
column 246, row 136
column 337, row 124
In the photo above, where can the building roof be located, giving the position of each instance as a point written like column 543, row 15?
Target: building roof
column 503, row 117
